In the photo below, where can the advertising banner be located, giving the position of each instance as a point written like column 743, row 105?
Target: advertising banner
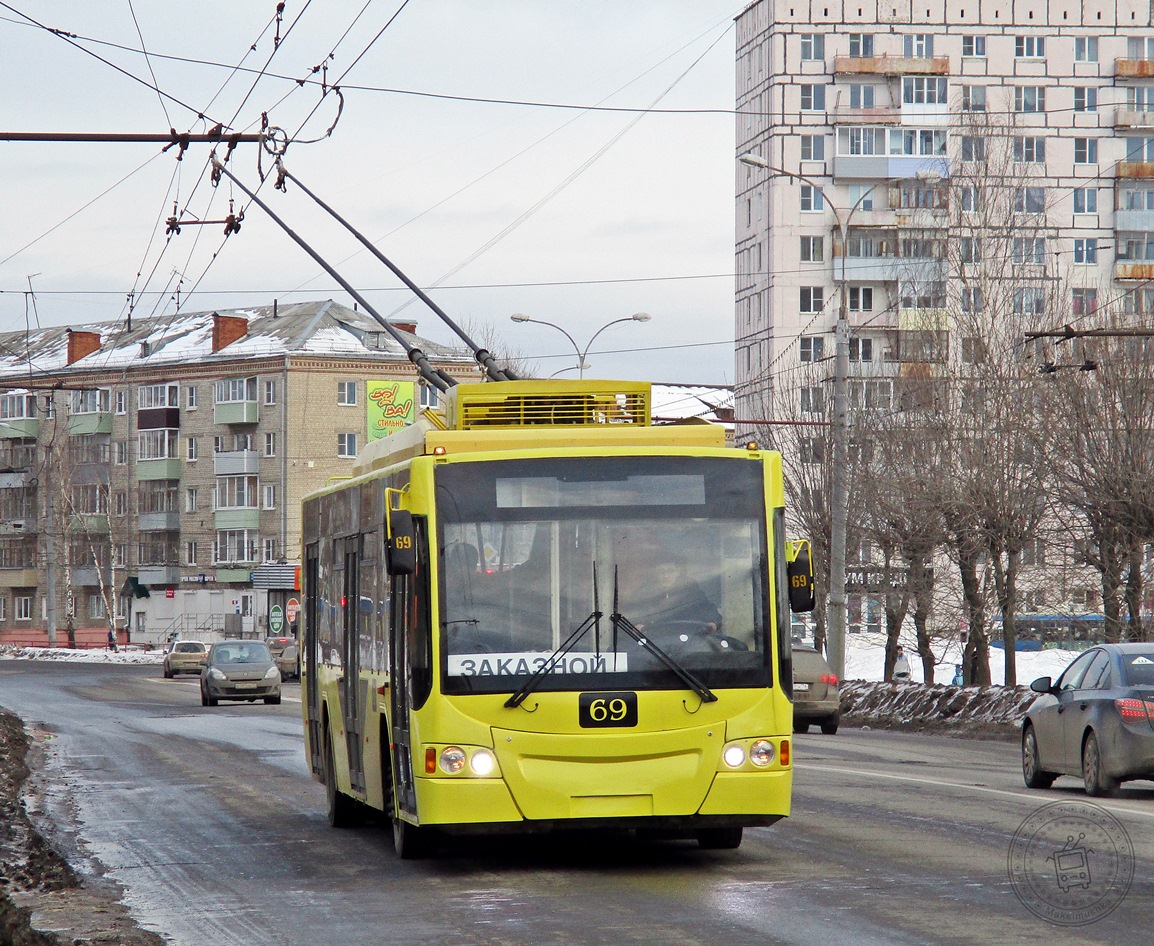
column 391, row 406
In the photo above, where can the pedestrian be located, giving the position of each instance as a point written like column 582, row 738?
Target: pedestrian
column 959, row 679
column 112, row 640
column 901, row 665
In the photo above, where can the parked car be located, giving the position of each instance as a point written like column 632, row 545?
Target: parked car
column 816, row 698
column 184, row 657
column 1096, row 722
column 286, row 653
column 239, row 670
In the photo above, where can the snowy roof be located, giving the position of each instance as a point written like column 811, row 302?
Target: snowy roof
column 303, row 328
column 712, row 402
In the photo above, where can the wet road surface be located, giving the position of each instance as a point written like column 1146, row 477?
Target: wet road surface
column 209, row 821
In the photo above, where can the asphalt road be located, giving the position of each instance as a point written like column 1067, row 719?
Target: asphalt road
column 209, row 821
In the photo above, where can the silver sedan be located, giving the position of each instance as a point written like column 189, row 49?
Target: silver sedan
column 239, row 670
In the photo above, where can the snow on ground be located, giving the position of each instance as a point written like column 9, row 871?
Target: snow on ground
column 63, row 654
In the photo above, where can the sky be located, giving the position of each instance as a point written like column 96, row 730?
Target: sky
column 570, row 215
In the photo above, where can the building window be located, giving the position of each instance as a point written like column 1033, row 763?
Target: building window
column 271, row 552
column 1034, row 552
column 861, row 299
column 120, row 555
column 1086, row 251
column 3, row 608
column 1086, row 150
column 1028, row 251
column 973, row 350
column 1029, row 98
column 861, row 96
column 1086, row 200
column 190, row 397
column 970, row 249
column 812, row 347
column 973, row 98
column 93, row 401
column 235, row 545
column 235, row 390
column 918, row 46
column 1084, row 301
column 812, row 450
column 270, row 392
column 974, row 47
column 1029, row 301
column 811, row 402
column 96, row 609
column 812, row 298
column 861, row 349
column 1086, row 49
column 1029, row 200
column 121, row 402
column 925, row 90
column 189, row 553
column 190, row 497
column 121, row 503
column 973, row 148
column 157, row 444
column 861, row 45
column 1140, row 97
column 347, row 392
column 270, row 443
column 1085, row 100
column 970, row 198
column 22, row 610
column 270, row 496
column 1029, row 149
column 812, row 249
column 1140, row 47
column 430, row 397
column 812, row 46
column 120, row 452
column 812, row 98
column 157, row 395
column 813, row 147
column 1029, row 47
column 346, row 445
column 1137, row 149
column 191, row 449
column 235, row 492
column 812, row 199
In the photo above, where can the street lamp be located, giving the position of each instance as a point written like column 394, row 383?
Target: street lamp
column 839, row 428
column 582, row 363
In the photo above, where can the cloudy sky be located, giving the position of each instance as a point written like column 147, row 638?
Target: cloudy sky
column 573, row 215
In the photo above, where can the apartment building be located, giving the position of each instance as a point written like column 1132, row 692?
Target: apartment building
column 156, row 471
column 863, row 131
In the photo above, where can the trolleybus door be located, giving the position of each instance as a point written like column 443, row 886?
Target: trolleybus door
column 410, row 662
column 350, row 686
column 312, row 643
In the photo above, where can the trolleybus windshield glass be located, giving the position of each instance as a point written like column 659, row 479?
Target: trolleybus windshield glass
column 677, row 545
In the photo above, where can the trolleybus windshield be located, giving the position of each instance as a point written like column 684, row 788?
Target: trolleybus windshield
column 530, row 550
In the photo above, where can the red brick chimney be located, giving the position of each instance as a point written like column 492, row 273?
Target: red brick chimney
column 226, row 329
column 81, row 344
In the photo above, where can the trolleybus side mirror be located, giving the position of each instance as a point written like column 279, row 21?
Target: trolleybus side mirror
column 799, row 571
column 401, row 551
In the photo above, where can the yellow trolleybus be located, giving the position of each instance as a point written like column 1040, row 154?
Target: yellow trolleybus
column 534, row 610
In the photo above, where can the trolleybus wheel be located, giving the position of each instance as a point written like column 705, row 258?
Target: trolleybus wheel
column 344, row 812
column 412, row 842
column 719, row 839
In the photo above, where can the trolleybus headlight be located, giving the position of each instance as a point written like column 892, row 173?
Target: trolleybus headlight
column 761, row 752
column 734, row 755
column 483, row 762
column 452, row 759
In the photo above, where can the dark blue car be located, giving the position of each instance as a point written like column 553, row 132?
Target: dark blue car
column 1097, row 721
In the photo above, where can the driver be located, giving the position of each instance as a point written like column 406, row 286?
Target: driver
column 656, row 587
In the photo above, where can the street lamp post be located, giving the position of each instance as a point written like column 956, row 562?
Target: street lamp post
column 839, row 427
column 582, row 362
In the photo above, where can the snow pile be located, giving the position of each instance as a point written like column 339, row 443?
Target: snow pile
column 991, row 710
column 64, row 655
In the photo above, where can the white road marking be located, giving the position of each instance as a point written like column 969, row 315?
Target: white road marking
column 1034, row 797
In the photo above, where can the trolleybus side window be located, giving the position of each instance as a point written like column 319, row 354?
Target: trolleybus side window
column 411, row 622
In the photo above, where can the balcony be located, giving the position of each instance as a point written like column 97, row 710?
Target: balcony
column 19, row 428
column 237, row 518
column 19, row 577
column 1133, row 118
column 22, row 479
column 892, row 65
column 99, row 422
column 894, row 167
column 167, row 468
column 20, row 525
column 1134, row 169
column 890, row 269
column 1143, row 271
column 89, row 576
column 159, row 522
column 90, row 523
column 1134, row 68
column 1129, row 221
column 845, row 115
column 235, row 462
column 236, row 412
column 153, row 575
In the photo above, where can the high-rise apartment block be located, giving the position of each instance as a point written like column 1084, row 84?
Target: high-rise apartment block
column 151, row 473
column 861, row 113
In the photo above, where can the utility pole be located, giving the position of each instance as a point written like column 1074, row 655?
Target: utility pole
column 839, row 488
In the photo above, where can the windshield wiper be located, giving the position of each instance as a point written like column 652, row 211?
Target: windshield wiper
column 567, row 645
column 620, row 621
